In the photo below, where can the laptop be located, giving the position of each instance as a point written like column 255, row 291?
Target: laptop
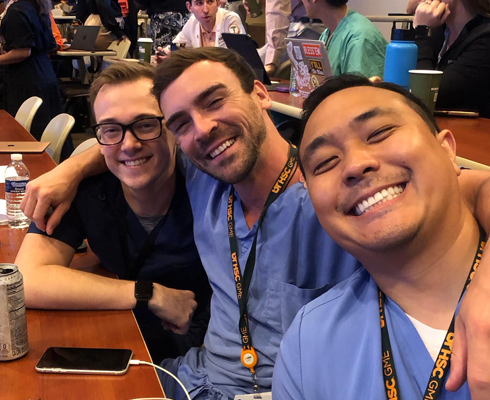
column 23, row 147
column 309, row 59
column 84, row 38
column 247, row 48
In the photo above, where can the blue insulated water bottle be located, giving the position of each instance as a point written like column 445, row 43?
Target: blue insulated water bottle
column 401, row 56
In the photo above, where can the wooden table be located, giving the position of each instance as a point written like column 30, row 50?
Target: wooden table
column 472, row 134
column 113, row 329
column 64, row 19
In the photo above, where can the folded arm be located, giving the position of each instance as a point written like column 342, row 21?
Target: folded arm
column 50, row 284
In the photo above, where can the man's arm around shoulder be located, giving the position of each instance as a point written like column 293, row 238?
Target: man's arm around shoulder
column 56, row 189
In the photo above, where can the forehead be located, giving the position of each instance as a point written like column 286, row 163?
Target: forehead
column 132, row 97
column 341, row 108
column 195, row 80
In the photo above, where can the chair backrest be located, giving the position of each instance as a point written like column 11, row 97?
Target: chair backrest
column 55, row 133
column 57, row 12
column 26, row 112
column 120, row 48
column 84, row 146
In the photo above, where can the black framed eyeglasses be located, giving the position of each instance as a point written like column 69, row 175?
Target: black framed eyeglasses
column 143, row 129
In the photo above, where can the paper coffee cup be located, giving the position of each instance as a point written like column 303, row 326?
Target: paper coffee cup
column 424, row 84
column 144, row 49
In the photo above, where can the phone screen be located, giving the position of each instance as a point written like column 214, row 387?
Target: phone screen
column 84, row 360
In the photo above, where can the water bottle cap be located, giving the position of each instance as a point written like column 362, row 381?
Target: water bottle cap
column 16, row 157
column 406, row 35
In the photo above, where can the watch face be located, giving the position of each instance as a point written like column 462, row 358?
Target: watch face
column 143, row 290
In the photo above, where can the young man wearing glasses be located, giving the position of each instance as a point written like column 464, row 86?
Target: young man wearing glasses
column 138, row 221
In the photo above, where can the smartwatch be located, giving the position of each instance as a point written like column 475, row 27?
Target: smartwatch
column 143, row 291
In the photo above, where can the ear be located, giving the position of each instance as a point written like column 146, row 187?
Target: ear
column 302, row 180
column 262, row 94
column 448, row 144
column 189, row 6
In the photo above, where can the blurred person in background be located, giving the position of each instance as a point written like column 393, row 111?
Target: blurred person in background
column 207, row 23
column 27, row 40
column 463, row 53
column 285, row 18
column 204, row 28
column 108, row 15
column 353, row 43
column 167, row 18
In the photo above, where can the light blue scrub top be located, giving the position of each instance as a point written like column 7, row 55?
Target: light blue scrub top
column 333, row 349
column 296, row 262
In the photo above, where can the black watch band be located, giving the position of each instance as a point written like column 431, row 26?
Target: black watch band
column 143, row 292
column 422, row 31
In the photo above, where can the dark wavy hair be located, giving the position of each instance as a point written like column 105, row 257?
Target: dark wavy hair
column 336, row 3
column 178, row 61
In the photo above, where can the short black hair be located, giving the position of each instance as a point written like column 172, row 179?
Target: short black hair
column 336, row 3
column 178, row 61
column 337, row 83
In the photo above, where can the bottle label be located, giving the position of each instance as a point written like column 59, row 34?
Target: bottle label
column 16, row 186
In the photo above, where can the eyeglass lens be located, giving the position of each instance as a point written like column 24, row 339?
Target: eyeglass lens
column 145, row 129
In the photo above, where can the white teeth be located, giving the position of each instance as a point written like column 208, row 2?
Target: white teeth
column 220, row 149
column 136, row 162
column 382, row 196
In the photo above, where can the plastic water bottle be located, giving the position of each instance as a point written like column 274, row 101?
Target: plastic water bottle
column 16, row 179
column 401, row 56
column 293, row 88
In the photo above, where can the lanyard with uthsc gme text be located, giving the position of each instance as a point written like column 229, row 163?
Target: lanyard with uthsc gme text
column 442, row 363
column 248, row 355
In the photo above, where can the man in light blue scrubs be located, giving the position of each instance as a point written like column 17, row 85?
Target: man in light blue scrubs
column 221, row 123
column 394, row 202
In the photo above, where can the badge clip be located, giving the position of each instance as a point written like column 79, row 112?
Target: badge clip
column 249, row 359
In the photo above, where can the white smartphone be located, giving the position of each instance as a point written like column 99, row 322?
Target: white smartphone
column 79, row 360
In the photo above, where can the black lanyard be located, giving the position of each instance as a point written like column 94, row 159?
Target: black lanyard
column 249, row 356
column 443, row 361
column 133, row 268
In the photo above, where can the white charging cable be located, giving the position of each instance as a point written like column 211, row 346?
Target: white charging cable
column 139, row 362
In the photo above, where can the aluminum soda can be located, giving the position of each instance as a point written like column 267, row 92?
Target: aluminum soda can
column 13, row 322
